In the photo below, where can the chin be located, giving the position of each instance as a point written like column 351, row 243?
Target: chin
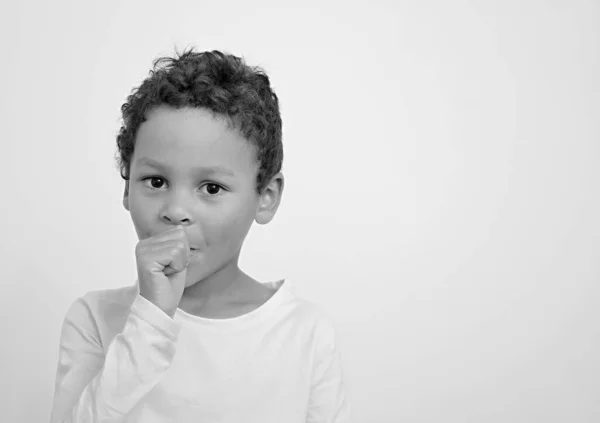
column 197, row 274
column 193, row 279
column 191, row 282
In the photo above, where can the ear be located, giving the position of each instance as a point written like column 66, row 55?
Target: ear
column 126, row 196
column 269, row 200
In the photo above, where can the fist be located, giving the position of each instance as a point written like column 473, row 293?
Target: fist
column 162, row 267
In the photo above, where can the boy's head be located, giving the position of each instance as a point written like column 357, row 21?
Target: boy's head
column 201, row 147
column 217, row 82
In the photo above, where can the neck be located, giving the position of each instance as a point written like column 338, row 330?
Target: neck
column 221, row 284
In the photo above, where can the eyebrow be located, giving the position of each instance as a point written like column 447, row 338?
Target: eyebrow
column 145, row 161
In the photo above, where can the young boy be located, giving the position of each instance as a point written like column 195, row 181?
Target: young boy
column 196, row 339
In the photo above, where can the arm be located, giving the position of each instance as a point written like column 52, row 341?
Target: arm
column 328, row 402
column 92, row 386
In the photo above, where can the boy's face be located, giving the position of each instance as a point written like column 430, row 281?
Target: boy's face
column 189, row 168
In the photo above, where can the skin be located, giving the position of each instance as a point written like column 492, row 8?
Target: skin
column 176, row 202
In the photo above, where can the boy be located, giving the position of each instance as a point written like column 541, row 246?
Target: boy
column 196, row 339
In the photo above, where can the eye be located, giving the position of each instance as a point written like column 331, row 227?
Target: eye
column 154, row 182
column 213, row 189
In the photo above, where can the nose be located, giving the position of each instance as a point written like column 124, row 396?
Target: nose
column 176, row 212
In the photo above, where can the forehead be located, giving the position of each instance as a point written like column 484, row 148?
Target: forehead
column 192, row 137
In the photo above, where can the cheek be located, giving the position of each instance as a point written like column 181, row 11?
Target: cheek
column 226, row 231
column 141, row 214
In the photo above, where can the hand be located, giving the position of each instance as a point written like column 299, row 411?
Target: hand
column 162, row 267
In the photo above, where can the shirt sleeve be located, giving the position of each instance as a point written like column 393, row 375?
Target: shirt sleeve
column 95, row 386
column 328, row 402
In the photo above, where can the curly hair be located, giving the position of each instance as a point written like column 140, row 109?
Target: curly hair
column 216, row 81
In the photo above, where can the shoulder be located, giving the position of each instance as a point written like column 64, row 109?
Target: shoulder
column 106, row 303
column 102, row 313
column 300, row 307
column 112, row 299
column 312, row 313
column 313, row 320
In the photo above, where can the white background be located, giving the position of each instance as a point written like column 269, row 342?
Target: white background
column 441, row 199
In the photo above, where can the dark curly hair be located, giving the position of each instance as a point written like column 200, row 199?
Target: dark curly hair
column 216, row 81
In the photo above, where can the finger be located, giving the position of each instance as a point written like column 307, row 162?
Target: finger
column 171, row 243
column 156, row 243
column 174, row 233
column 175, row 257
column 155, row 258
column 147, row 254
column 168, row 271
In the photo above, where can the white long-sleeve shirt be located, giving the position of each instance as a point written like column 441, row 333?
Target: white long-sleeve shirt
column 122, row 359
